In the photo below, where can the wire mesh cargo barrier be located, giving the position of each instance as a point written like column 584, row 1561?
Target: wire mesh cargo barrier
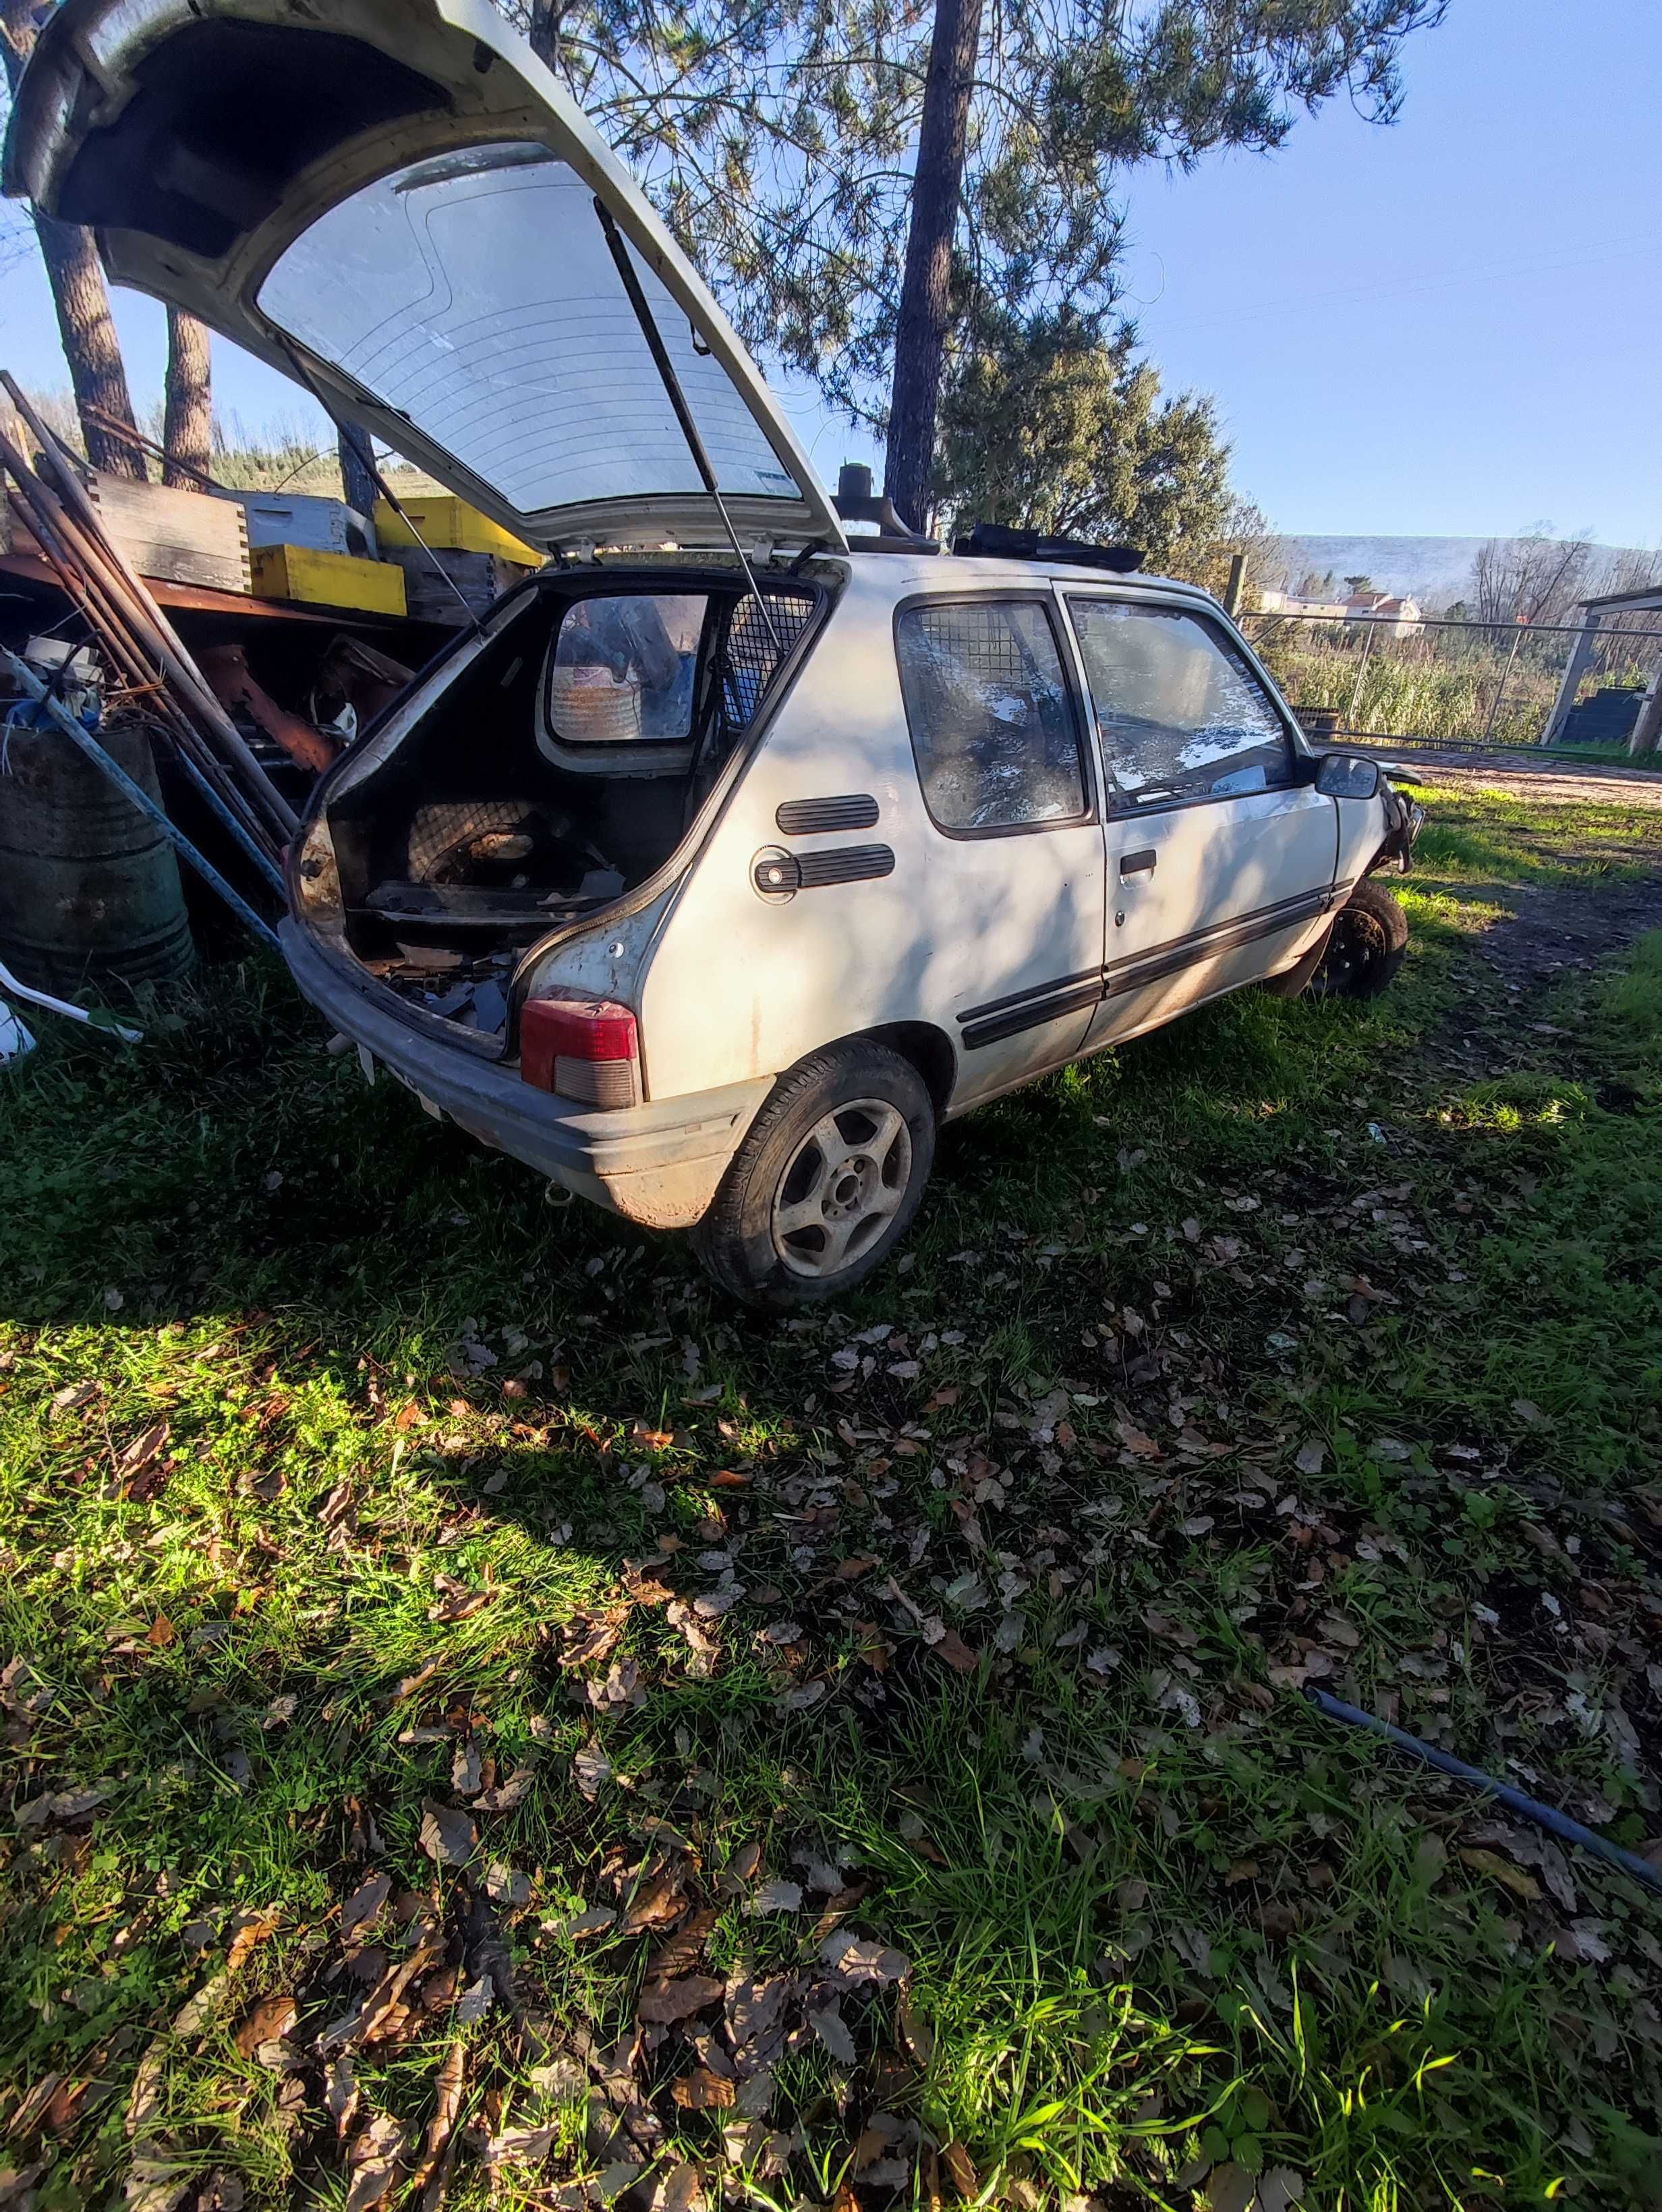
column 1434, row 681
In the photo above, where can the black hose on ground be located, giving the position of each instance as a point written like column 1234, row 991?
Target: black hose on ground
column 1529, row 1809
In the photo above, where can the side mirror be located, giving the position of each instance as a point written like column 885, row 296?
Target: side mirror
column 1347, row 775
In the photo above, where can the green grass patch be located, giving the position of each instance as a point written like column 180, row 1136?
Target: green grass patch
column 344, row 1477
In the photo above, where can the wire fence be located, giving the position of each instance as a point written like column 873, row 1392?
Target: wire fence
column 1440, row 682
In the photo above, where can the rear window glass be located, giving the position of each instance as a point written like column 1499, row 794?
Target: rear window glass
column 991, row 722
column 624, row 668
column 1182, row 715
column 475, row 295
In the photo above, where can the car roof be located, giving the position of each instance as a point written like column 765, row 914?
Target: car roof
column 903, row 576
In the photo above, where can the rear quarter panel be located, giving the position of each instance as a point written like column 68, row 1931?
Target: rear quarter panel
column 737, row 985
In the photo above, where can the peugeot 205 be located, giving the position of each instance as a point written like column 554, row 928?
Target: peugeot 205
column 735, row 851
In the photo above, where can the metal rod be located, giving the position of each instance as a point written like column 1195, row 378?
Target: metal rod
column 1441, row 621
column 11, row 988
column 366, row 459
column 140, row 797
column 261, row 859
column 1356, row 689
column 154, row 629
column 45, row 519
column 1544, row 1816
column 127, row 613
column 677, row 400
column 1500, row 689
column 128, row 436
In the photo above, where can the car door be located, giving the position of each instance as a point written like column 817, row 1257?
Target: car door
column 1011, row 886
column 1220, row 852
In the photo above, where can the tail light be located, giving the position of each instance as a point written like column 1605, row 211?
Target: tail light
column 581, row 1048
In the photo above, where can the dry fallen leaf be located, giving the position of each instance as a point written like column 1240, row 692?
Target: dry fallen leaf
column 506, row 1885
column 776, row 1896
column 249, row 1929
column 678, row 2190
column 340, row 2092
column 956, row 1652
column 832, row 2029
column 364, row 1905
column 506, row 1794
column 448, row 2086
column 144, row 1448
column 1229, row 2188
column 269, row 2021
column 594, row 1922
column 960, row 2169
column 662, row 2003
column 1279, row 2190
column 521, row 2146
column 1513, row 1878
column 590, row 1768
column 702, row 2091
column 447, row 1833
column 376, row 2156
column 855, row 1959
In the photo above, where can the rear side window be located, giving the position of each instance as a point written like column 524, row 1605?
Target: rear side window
column 992, row 724
column 623, row 669
column 1181, row 714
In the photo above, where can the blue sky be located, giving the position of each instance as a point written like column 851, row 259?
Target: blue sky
column 1451, row 326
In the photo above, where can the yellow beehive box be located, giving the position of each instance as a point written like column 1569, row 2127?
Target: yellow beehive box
column 326, row 580
column 449, row 524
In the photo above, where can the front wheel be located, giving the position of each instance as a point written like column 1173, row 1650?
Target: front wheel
column 826, row 1182
column 1365, row 947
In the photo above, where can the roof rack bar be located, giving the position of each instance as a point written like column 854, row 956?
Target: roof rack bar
column 1003, row 544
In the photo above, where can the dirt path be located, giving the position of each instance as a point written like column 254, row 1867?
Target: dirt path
column 1554, row 926
column 1542, row 782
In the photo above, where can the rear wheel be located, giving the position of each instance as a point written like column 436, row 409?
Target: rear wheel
column 826, row 1182
column 1367, row 945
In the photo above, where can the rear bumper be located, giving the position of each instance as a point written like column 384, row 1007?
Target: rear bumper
column 658, row 1163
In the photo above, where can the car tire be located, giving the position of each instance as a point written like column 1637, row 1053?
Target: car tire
column 826, row 1182
column 1365, row 947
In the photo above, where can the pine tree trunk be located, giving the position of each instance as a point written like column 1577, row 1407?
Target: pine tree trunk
column 78, row 290
column 920, row 341
column 91, row 346
column 357, row 483
column 187, row 429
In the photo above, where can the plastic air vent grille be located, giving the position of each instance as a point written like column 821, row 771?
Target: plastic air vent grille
column 805, row 818
column 847, row 864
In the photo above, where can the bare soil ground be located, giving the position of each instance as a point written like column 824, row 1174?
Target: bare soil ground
column 1542, row 782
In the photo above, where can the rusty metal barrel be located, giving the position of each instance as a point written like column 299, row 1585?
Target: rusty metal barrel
column 89, row 888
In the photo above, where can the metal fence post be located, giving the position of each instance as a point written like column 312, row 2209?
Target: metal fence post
column 1500, row 688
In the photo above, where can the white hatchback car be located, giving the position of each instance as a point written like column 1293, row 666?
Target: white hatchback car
column 731, row 853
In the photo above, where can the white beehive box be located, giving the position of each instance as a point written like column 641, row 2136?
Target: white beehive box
column 322, row 524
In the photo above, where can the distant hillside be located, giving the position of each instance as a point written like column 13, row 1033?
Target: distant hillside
column 1434, row 570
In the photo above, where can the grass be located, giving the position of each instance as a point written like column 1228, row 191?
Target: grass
column 1488, row 837
column 344, row 1475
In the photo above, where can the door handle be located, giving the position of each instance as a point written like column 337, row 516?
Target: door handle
column 1136, row 864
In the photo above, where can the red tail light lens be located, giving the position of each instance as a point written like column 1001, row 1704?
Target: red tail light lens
column 581, row 1048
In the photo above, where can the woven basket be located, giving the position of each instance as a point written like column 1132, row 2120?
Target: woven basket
column 584, row 703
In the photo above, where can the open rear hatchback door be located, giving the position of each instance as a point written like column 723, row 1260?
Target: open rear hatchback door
column 396, row 200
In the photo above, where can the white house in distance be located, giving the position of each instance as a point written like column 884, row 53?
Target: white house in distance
column 1399, row 616
column 1396, row 615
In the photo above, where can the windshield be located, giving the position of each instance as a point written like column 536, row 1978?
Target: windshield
column 475, row 296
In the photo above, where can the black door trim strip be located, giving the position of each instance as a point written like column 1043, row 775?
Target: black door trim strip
column 999, row 1026
column 1068, row 994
